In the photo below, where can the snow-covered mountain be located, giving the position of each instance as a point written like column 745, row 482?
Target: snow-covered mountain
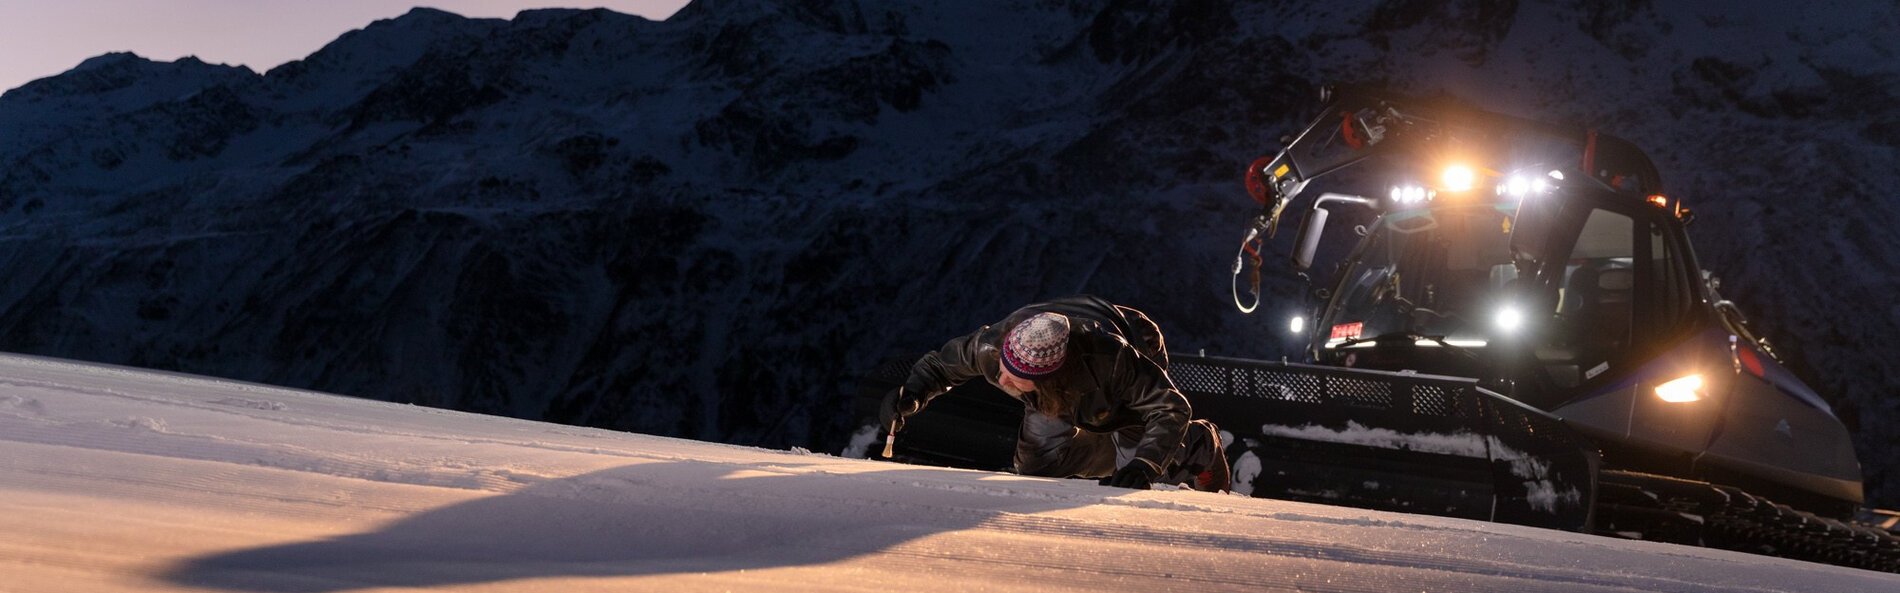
column 709, row 227
column 115, row 479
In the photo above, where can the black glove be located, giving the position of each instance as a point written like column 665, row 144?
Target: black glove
column 891, row 413
column 1137, row 474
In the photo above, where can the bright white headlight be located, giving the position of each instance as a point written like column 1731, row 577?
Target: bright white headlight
column 1517, row 187
column 1510, row 319
column 1409, row 194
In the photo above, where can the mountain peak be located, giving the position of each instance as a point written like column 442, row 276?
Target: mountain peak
column 110, row 60
column 424, row 15
column 382, row 46
column 112, row 71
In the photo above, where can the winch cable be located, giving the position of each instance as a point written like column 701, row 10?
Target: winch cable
column 1248, row 257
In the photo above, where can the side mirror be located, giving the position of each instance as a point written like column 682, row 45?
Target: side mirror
column 1306, row 244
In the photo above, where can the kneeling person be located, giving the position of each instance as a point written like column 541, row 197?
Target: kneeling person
column 1098, row 403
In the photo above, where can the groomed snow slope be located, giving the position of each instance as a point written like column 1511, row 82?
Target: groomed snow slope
column 113, row 479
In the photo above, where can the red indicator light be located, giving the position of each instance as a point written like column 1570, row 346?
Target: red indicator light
column 1348, row 331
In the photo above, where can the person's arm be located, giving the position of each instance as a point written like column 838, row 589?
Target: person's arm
column 959, row 360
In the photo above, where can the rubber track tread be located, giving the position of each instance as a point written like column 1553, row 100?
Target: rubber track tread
column 1732, row 519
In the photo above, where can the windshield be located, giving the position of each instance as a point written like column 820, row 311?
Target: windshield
column 1437, row 273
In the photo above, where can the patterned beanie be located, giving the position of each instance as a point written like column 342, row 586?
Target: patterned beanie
column 1034, row 348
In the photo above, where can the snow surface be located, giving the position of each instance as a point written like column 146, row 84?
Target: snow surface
column 114, row 479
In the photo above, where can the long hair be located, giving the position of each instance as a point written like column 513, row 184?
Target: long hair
column 1055, row 397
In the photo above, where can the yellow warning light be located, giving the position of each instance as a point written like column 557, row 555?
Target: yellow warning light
column 1458, row 178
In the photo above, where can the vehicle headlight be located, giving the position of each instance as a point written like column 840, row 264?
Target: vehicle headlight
column 1509, row 319
column 1519, row 186
column 1682, row 390
column 1405, row 195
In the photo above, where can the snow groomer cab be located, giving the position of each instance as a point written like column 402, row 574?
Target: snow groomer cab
column 1547, row 263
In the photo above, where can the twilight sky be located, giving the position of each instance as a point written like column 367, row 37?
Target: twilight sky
column 43, row 38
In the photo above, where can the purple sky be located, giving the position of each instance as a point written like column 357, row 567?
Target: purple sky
column 43, row 38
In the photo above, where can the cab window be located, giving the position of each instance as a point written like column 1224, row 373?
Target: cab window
column 1622, row 289
column 1592, row 321
column 1670, row 291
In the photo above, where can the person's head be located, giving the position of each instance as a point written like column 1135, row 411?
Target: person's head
column 1032, row 350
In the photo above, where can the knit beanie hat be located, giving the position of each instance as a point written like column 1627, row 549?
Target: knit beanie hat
column 1034, row 348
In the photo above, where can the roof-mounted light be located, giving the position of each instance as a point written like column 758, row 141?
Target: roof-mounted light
column 1408, row 195
column 1516, row 186
column 1458, row 178
column 1520, row 185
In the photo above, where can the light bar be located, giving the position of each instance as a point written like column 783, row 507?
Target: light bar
column 1519, row 186
column 1422, row 343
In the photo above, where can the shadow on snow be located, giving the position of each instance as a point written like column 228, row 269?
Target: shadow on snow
column 646, row 519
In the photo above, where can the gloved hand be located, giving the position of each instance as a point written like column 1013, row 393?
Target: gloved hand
column 895, row 408
column 1137, row 474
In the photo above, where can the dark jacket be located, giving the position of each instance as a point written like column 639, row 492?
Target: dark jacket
column 1116, row 384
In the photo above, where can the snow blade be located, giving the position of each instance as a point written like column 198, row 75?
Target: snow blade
column 1389, row 441
column 1393, row 441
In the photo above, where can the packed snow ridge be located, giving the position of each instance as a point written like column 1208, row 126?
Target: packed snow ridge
column 114, row 479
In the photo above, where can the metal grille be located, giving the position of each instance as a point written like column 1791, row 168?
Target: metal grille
column 1298, row 387
column 1199, row 378
column 1247, row 381
column 1422, row 395
column 1435, row 400
column 1361, row 392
